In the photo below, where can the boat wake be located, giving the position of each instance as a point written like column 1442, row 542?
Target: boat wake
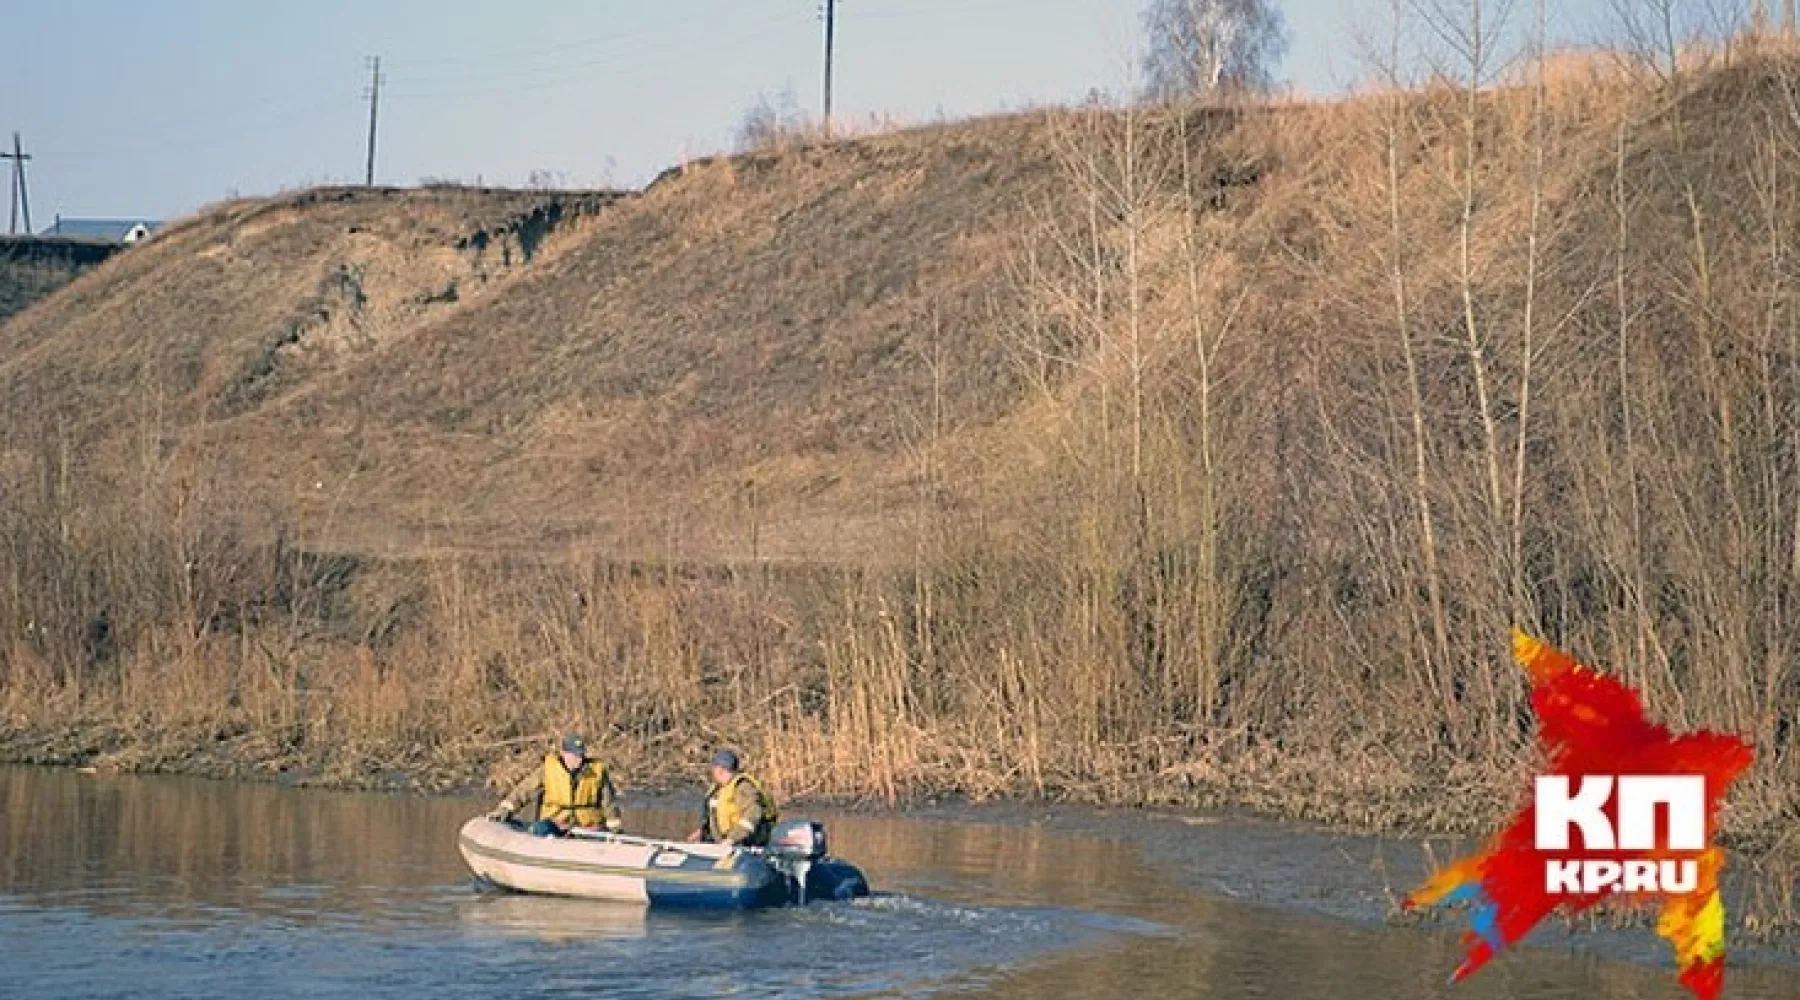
column 884, row 942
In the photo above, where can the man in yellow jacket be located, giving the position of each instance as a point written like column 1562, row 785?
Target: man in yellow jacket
column 576, row 791
column 738, row 810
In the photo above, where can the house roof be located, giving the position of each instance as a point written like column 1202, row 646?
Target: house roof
column 97, row 229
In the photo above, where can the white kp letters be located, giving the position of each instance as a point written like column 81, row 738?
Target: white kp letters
column 1684, row 798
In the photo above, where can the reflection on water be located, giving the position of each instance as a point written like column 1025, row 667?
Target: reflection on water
column 175, row 849
column 193, row 888
column 552, row 920
column 132, row 887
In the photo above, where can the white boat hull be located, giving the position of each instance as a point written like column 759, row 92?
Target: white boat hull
column 617, row 868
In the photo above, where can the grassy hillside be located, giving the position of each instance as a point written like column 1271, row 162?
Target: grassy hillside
column 755, row 318
column 1160, row 455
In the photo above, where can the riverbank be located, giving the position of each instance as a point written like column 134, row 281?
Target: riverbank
column 1177, row 867
column 1309, row 787
column 1262, row 849
column 1005, row 900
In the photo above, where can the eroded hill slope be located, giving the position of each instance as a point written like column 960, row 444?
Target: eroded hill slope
column 483, row 368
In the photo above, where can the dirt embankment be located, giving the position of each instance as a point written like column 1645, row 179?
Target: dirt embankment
column 1188, row 456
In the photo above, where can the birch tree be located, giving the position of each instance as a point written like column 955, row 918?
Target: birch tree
column 1199, row 48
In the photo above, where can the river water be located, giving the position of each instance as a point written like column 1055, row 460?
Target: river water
column 159, row 887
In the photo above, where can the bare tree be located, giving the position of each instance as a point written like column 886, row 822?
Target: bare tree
column 1437, row 659
column 1198, row 48
column 771, row 122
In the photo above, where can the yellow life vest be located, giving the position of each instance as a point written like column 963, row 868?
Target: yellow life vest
column 724, row 809
column 574, row 797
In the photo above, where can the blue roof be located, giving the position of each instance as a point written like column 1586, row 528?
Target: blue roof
column 113, row 230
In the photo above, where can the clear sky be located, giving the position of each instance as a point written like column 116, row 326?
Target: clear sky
column 138, row 108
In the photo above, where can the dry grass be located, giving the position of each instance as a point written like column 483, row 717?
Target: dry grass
column 1139, row 481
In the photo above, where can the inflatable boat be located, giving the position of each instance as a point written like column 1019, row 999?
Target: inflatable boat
column 793, row 869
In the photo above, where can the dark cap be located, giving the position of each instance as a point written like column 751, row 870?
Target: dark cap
column 725, row 759
column 573, row 743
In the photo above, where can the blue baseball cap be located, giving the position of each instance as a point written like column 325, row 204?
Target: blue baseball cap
column 725, row 759
column 573, row 743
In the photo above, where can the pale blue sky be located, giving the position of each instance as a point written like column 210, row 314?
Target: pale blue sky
column 156, row 108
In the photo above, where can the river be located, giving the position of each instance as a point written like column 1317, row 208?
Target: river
column 114, row 886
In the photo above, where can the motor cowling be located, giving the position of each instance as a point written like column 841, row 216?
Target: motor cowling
column 798, row 840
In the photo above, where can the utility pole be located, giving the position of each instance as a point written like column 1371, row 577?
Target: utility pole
column 21, row 197
column 830, row 32
column 374, row 96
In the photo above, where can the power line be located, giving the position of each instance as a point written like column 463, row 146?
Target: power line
column 830, row 32
column 540, row 76
column 214, row 131
column 534, row 51
column 374, row 96
column 21, row 198
column 915, row 11
column 461, row 70
column 475, row 74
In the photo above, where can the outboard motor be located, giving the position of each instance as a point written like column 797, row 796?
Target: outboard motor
column 794, row 846
column 798, row 838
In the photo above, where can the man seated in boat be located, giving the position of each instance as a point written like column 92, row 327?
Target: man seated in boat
column 574, row 790
column 738, row 810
